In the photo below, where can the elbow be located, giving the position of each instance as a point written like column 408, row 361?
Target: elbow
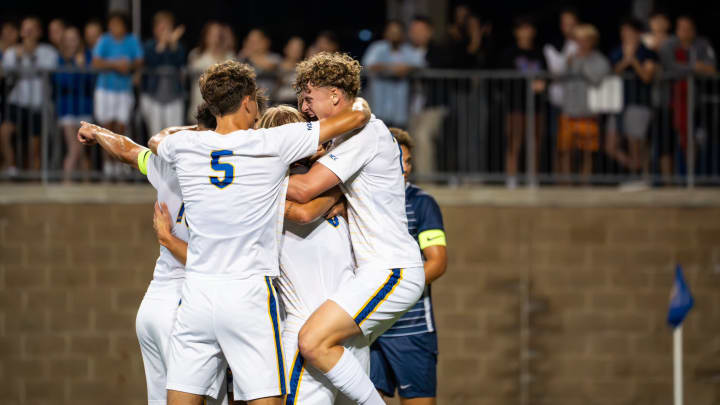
column 298, row 194
column 304, row 217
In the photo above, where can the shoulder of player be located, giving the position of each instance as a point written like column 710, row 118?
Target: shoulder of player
column 419, row 196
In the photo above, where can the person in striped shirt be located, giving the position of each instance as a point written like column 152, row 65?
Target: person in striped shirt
column 404, row 358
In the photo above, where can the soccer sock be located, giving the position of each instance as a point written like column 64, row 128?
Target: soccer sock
column 348, row 377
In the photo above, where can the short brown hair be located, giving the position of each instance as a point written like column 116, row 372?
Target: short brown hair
column 329, row 70
column 280, row 115
column 403, row 138
column 225, row 85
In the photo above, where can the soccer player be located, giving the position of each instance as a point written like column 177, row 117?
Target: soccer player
column 405, row 357
column 315, row 259
column 231, row 181
column 156, row 314
column 390, row 278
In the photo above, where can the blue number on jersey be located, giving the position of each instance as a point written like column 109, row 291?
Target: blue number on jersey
column 221, row 167
column 334, row 221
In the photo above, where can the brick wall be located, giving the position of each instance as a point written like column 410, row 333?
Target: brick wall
column 72, row 277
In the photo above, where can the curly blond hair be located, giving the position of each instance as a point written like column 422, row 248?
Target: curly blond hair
column 327, row 69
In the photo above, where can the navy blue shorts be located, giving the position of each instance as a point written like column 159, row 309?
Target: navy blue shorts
column 405, row 363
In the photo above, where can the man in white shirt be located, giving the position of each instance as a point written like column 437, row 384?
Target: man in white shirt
column 156, row 314
column 390, row 277
column 232, row 181
column 23, row 64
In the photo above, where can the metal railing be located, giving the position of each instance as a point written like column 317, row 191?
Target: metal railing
column 469, row 126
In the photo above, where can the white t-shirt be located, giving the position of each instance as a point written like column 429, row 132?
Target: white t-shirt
column 232, row 188
column 370, row 169
column 161, row 175
column 29, row 91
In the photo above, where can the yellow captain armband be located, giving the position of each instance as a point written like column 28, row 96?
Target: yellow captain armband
column 143, row 160
column 432, row 237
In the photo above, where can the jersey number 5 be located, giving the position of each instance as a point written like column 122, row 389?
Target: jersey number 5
column 221, row 167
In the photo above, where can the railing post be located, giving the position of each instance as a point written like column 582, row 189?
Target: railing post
column 530, row 149
column 690, row 144
column 44, row 138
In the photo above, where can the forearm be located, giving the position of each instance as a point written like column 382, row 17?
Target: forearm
column 158, row 138
column 434, row 268
column 303, row 188
column 119, row 147
column 312, row 210
column 99, row 63
column 176, row 246
column 355, row 116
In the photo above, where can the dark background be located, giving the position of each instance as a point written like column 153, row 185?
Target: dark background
column 282, row 19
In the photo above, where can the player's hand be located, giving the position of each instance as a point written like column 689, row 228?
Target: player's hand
column 340, row 208
column 162, row 223
column 360, row 104
column 86, row 133
column 123, row 66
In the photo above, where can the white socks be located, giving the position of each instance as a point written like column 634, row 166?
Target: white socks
column 349, row 377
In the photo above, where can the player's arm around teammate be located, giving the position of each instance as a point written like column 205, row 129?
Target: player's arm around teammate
column 118, row 146
column 162, row 223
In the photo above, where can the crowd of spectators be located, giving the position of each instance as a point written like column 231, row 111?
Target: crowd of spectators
column 108, row 75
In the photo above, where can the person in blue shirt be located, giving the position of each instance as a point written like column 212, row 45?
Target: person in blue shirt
column 73, row 96
column 118, row 54
column 404, row 358
column 390, row 61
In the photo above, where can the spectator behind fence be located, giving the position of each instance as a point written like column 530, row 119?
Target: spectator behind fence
column 256, row 53
column 659, row 24
column 527, row 58
column 213, row 48
column 558, row 53
column 92, row 32
column 638, row 65
column 427, row 110
column 162, row 102
column 685, row 54
column 469, row 40
column 293, row 52
column 579, row 129
column 389, row 61
column 29, row 91
column 73, row 96
column 56, row 28
column 326, row 41
column 118, row 53
column 9, row 36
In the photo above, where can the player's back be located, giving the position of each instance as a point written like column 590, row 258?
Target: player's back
column 315, row 259
column 369, row 166
column 231, row 185
column 162, row 177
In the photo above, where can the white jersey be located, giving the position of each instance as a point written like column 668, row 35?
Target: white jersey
column 370, row 169
column 232, row 186
column 314, row 261
column 162, row 176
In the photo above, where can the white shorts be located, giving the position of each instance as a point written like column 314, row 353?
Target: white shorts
column 375, row 299
column 227, row 321
column 153, row 326
column 113, row 106
column 307, row 385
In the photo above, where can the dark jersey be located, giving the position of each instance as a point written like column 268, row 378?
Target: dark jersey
column 423, row 214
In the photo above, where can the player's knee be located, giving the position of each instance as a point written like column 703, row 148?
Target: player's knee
column 309, row 345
